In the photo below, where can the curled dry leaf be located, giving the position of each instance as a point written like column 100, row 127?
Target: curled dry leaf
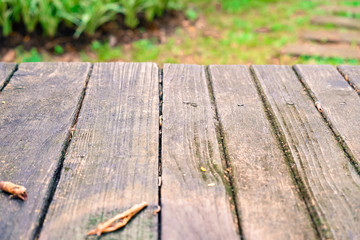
column 157, row 210
column 15, row 190
column 118, row 221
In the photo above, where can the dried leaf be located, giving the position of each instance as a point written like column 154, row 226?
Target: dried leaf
column 157, row 210
column 118, row 221
column 15, row 190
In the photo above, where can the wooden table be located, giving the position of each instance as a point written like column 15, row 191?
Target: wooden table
column 228, row 152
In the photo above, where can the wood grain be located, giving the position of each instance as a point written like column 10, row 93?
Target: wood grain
column 269, row 205
column 337, row 21
column 339, row 101
column 334, row 36
column 112, row 162
column 5, row 71
column 325, row 170
column 191, row 208
column 41, row 103
column 352, row 75
column 328, row 50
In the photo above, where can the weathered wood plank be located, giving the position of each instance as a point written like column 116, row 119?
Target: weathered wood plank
column 329, row 178
column 337, row 21
column 41, row 103
column 112, row 162
column 334, row 36
column 269, row 205
column 341, row 9
column 339, row 101
column 352, row 75
column 191, row 208
column 334, row 51
column 5, row 70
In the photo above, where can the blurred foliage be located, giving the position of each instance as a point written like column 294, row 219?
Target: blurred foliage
column 84, row 15
column 233, row 32
column 327, row 60
column 104, row 52
column 58, row 49
column 234, row 6
column 191, row 14
column 29, row 56
column 145, row 50
column 355, row 3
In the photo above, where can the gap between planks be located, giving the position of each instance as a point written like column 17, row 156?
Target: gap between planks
column 323, row 166
column 353, row 81
column 7, row 79
column 192, row 208
column 57, row 174
column 267, row 197
column 290, row 162
column 127, row 107
column 221, row 143
column 336, row 133
column 223, row 152
column 160, row 75
column 36, row 117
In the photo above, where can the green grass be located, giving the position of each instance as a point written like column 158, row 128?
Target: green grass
column 145, row 50
column 58, row 49
column 332, row 61
column 106, row 53
column 355, row 3
column 241, row 32
column 29, row 56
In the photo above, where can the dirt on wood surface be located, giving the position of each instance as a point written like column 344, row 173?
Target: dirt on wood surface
column 114, row 32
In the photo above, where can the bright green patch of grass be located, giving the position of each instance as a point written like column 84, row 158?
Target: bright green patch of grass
column 322, row 60
column 191, row 14
column 106, row 53
column 58, row 49
column 354, row 3
column 29, row 56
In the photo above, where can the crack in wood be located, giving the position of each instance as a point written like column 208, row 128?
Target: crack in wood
column 298, row 182
column 227, row 167
column 336, row 133
column 7, row 80
column 57, row 174
column 348, row 80
column 160, row 75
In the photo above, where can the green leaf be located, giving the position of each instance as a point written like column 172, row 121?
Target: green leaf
column 59, row 49
column 191, row 14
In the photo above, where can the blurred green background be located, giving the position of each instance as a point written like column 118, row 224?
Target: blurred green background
column 161, row 31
